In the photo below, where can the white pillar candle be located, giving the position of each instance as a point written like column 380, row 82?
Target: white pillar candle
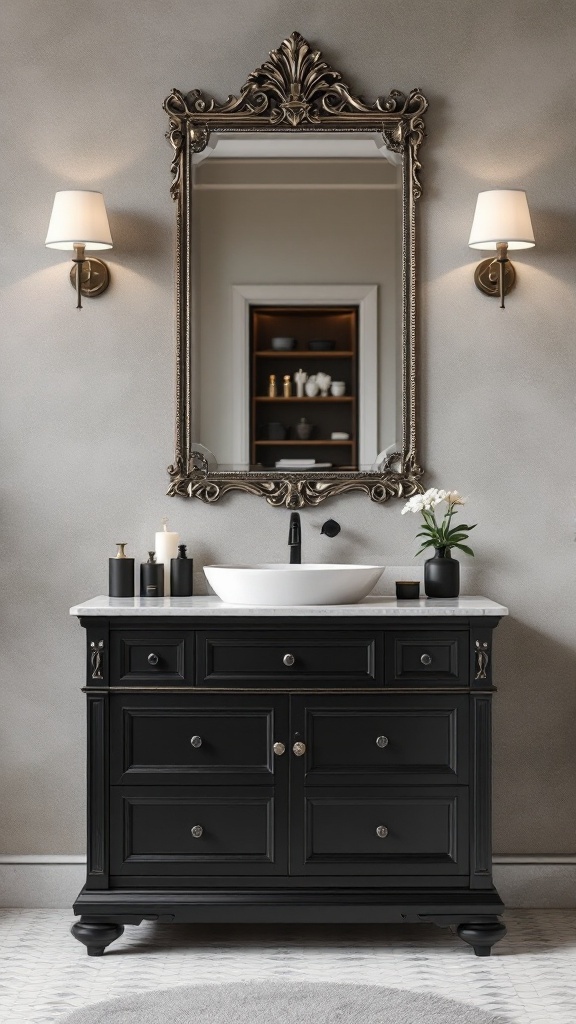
column 166, row 548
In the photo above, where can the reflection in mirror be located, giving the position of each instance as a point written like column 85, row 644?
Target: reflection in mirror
column 296, row 219
column 298, row 276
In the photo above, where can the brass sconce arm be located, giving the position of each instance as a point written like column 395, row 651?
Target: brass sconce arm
column 78, row 260
column 496, row 276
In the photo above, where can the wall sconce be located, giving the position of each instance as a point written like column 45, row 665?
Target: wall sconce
column 501, row 222
column 79, row 221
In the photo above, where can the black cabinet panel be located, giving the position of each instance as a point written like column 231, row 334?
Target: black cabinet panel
column 197, row 739
column 151, row 657
column 422, row 658
column 173, row 831
column 364, row 740
column 389, row 831
column 290, row 659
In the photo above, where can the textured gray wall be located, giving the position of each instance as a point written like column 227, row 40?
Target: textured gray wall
column 87, row 396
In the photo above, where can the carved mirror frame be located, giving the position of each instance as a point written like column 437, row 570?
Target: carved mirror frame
column 295, row 90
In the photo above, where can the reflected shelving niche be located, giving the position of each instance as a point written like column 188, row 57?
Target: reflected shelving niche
column 277, row 430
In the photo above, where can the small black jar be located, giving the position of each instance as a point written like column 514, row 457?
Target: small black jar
column 442, row 574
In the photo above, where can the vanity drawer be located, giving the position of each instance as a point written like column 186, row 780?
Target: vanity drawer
column 408, row 831
column 147, row 657
column 197, row 740
column 174, row 831
column 417, row 659
column 365, row 740
column 289, row 658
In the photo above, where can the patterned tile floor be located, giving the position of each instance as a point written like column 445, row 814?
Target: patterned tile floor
column 530, row 977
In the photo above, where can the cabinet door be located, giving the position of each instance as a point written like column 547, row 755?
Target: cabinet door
column 376, row 785
column 199, row 786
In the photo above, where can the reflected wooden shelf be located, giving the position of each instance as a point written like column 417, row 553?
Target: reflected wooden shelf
column 294, row 398
column 318, row 443
column 338, row 413
column 294, row 354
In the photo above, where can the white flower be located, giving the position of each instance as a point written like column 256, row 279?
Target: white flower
column 454, row 498
column 414, row 504
column 433, row 497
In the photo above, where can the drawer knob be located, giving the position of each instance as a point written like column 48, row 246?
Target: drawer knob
column 426, row 659
column 299, row 748
column 196, row 741
column 196, row 831
column 381, row 741
column 279, row 749
column 381, row 831
column 153, row 659
column 288, row 660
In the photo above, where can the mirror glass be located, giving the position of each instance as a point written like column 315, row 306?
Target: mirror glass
column 297, row 355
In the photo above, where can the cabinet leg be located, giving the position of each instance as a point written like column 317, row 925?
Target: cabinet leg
column 482, row 935
column 96, row 936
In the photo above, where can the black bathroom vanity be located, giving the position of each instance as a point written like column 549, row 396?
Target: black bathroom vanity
column 315, row 764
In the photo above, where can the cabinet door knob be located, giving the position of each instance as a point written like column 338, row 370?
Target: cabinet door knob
column 381, row 831
column 279, row 749
column 426, row 659
column 288, row 660
column 196, row 741
column 381, row 741
column 299, row 748
column 196, row 831
column 153, row 659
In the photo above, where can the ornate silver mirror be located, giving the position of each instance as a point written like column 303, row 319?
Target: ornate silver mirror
column 295, row 286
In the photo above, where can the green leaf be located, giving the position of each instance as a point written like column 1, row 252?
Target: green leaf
column 429, row 544
column 464, row 547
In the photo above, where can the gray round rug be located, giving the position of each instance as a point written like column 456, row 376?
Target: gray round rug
column 264, row 1002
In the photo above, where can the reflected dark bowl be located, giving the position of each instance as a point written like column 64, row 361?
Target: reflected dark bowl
column 321, row 345
column 283, row 344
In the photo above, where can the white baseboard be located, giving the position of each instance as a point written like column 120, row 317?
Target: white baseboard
column 54, row 880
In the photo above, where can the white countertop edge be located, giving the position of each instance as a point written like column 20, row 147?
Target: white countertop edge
column 211, row 606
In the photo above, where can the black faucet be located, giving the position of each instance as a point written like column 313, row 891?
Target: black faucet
column 295, row 539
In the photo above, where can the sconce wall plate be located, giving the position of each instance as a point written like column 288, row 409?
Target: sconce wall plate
column 94, row 279
column 486, row 277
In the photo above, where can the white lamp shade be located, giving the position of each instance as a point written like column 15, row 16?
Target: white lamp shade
column 79, row 218
column 502, row 215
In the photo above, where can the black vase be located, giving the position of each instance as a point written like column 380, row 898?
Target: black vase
column 442, row 575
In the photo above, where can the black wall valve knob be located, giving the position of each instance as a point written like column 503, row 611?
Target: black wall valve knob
column 331, row 528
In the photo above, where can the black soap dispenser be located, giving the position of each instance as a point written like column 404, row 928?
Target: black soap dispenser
column 181, row 570
column 121, row 574
column 152, row 577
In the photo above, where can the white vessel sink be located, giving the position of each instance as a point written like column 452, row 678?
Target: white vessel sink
column 282, row 585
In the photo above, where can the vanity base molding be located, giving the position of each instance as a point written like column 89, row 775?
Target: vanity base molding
column 103, row 915
column 300, row 769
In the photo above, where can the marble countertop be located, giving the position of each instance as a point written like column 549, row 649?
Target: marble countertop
column 213, row 607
